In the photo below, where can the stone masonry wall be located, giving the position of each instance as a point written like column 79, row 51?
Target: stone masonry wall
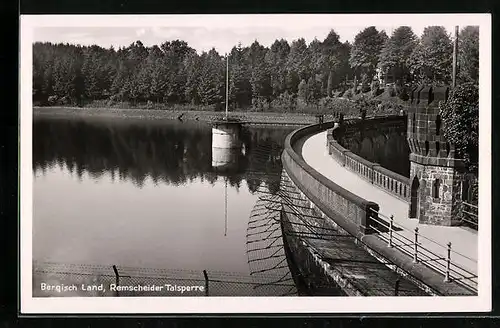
column 433, row 159
column 437, row 210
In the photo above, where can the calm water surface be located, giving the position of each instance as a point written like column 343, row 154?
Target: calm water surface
column 146, row 194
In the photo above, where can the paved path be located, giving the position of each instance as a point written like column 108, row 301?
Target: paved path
column 464, row 241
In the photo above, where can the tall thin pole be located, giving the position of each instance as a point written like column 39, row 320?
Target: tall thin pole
column 225, row 209
column 455, row 50
column 227, row 83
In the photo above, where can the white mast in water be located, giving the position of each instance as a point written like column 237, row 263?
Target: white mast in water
column 227, row 82
column 225, row 209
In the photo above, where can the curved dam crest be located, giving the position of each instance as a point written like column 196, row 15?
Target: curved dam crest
column 350, row 209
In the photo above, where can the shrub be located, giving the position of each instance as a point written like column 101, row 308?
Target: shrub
column 333, row 105
column 302, row 90
column 218, row 107
column 301, row 104
column 365, row 83
column 52, row 100
column 403, row 93
column 391, row 90
column 348, row 94
column 372, row 106
column 285, row 102
column 337, row 93
column 260, row 104
column 114, row 98
column 375, row 88
column 364, row 105
column 475, row 193
column 460, row 115
column 388, row 107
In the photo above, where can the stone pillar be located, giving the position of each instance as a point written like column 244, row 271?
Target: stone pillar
column 226, row 135
column 436, row 173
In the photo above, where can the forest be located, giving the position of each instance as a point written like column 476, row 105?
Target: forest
column 287, row 77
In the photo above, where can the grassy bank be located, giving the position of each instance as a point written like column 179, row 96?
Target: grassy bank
column 179, row 115
column 299, row 114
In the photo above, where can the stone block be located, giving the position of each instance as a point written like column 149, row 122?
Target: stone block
column 441, row 93
column 416, row 95
column 424, row 95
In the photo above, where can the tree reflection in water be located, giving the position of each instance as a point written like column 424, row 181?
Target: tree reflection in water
column 165, row 151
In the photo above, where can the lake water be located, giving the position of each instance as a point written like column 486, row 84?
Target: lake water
column 152, row 195
column 147, row 194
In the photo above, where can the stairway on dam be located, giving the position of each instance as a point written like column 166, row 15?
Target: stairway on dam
column 464, row 241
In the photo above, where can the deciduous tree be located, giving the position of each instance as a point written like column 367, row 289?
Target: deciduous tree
column 396, row 53
column 366, row 49
column 431, row 60
column 468, row 54
column 211, row 79
column 276, row 59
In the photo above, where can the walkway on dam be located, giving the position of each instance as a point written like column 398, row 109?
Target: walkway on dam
column 464, row 241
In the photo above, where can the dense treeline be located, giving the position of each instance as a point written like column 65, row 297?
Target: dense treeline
column 287, row 76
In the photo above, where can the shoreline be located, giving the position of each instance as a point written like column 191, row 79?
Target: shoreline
column 248, row 118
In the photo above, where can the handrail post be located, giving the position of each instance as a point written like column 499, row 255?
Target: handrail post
column 206, row 282
column 415, row 254
column 390, row 231
column 371, row 214
column 117, row 278
column 448, row 262
column 396, row 288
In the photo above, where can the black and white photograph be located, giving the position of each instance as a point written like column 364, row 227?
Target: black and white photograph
column 318, row 163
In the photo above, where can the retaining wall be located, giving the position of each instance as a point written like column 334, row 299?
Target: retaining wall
column 397, row 185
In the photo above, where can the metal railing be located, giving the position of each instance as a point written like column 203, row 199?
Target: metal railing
column 443, row 261
column 470, row 215
column 306, row 222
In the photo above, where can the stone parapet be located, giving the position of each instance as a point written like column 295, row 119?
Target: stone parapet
column 425, row 127
column 341, row 201
column 391, row 182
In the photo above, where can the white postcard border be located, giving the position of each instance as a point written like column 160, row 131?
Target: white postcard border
column 105, row 305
